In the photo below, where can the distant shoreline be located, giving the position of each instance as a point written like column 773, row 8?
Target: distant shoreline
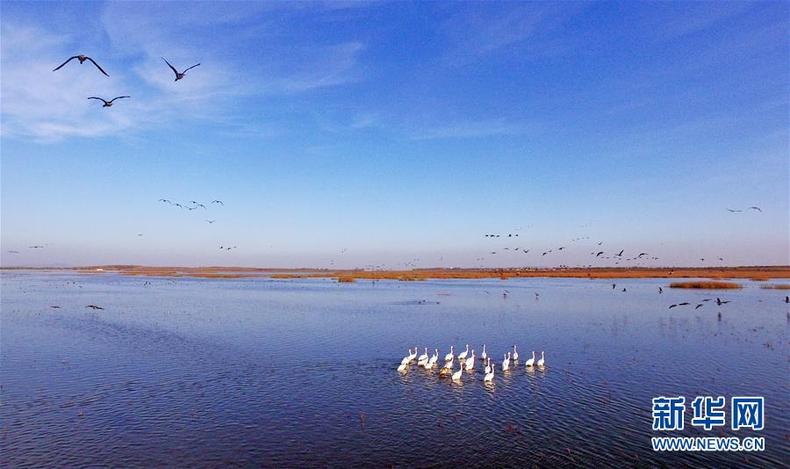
column 757, row 273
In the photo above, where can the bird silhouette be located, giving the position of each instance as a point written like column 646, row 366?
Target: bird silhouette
column 108, row 103
column 179, row 75
column 81, row 58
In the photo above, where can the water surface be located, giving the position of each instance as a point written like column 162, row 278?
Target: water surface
column 198, row 372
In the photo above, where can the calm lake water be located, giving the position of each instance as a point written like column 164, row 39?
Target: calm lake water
column 193, row 372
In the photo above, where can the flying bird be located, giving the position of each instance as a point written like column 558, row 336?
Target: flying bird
column 758, row 209
column 94, row 307
column 210, row 221
column 698, row 306
column 81, row 58
column 179, row 75
column 36, row 246
column 732, row 210
column 217, row 202
column 108, row 103
column 13, row 252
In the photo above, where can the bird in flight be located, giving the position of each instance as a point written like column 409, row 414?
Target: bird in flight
column 758, row 209
column 81, row 58
column 36, row 246
column 108, row 103
column 179, row 75
column 13, row 252
column 217, row 202
column 210, row 221
column 732, row 210
column 94, row 307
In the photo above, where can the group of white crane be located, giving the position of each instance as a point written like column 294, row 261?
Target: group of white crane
column 467, row 362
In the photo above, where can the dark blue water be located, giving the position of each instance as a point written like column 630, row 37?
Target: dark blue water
column 198, row 372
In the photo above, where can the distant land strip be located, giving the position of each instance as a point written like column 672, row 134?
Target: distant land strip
column 757, row 273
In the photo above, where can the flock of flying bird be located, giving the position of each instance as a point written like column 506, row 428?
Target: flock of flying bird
column 108, row 103
column 596, row 254
column 191, row 205
column 467, row 362
column 194, row 205
column 738, row 210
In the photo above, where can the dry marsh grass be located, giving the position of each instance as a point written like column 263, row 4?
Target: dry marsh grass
column 706, row 285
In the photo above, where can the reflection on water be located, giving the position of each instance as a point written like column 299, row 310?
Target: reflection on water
column 302, row 372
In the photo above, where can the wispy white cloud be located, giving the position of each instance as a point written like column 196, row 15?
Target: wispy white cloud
column 674, row 21
column 47, row 106
column 475, row 32
column 214, row 33
column 471, row 129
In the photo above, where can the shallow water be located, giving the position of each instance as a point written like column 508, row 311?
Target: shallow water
column 302, row 372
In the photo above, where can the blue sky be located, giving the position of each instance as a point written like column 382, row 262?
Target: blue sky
column 392, row 134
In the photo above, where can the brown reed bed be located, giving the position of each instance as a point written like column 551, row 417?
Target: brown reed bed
column 706, row 285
